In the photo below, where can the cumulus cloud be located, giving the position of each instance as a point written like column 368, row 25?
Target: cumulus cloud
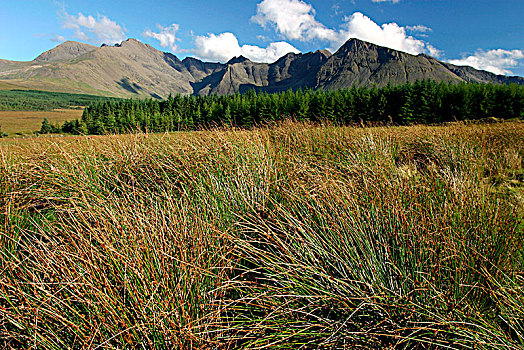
column 223, row 47
column 269, row 54
column 433, row 51
column 295, row 20
column 496, row 61
column 166, row 36
column 100, row 30
column 390, row 35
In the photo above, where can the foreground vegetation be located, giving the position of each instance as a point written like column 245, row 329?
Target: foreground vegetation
column 293, row 236
column 424, row 102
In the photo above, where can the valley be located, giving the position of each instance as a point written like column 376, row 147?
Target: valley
column 366, row 198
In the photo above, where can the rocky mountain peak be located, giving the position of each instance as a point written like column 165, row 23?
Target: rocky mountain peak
column 356, row 46
column 66, row 51
column 239, row 59
column 135, row 69
column 132, row 41
column 324, row 53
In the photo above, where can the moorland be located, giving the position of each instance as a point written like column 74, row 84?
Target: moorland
column 367, row 198
column 295, row 235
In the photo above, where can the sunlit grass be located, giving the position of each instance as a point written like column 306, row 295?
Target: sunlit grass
column 292, row 236
column 27, row 122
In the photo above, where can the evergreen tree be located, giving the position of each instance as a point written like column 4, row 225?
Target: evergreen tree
column 227, row 116
column 406, row 114
column 46, row 127
column 421, row 102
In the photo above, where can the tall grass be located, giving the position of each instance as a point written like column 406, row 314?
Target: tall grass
column 294, row 236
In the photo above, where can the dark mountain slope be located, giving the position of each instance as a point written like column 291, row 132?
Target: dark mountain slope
column 362, row 64
column 472, row 75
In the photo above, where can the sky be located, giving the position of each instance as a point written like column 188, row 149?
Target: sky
column 485, row 34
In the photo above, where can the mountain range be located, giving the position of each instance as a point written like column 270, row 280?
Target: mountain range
column 134, row 69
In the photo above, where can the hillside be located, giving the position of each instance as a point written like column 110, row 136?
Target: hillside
column 136, row 69
column 361, row 63
column 66, row 51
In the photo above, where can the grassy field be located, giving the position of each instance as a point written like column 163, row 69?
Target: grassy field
column 6, row 85
column 26, row 122
column 289, row 237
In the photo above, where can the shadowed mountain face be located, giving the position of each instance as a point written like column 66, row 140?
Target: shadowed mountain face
column 362, row 64
column 136, row 69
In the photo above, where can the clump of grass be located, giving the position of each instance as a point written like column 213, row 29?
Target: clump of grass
column 293, row 236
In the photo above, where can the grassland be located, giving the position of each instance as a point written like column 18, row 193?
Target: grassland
column 26, row 122
column 6, row 85
column 22, row 112
column 291, row 237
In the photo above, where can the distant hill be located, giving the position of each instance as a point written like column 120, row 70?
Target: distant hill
column 136, row 69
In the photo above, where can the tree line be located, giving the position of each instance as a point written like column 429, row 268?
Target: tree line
column 33, row 100
column 426, row 102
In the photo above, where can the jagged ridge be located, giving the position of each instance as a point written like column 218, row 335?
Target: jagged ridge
column 136, row 69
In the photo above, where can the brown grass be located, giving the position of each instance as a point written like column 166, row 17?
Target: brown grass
column 26, row 122
column 293, row 237
column 8, row 85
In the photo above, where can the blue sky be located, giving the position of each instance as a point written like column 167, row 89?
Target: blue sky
column 485, row 34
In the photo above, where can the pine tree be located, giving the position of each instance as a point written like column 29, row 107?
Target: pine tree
column 421, row 102
column 380, row 108
column 227, row 116
column 406, row 115
column 197, row 116
column 46, row 127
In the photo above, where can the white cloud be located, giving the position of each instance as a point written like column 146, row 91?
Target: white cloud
column 419, row 28
column 100, row 30
column 223, row 47
column 295, row 20
column 269, row 54
column 433, row 51
column 390, row 35
column 57, row 38
column 166, row 36
column 392, row 1
column 496, row 61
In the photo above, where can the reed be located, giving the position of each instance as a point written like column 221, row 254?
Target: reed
column 293, row 236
